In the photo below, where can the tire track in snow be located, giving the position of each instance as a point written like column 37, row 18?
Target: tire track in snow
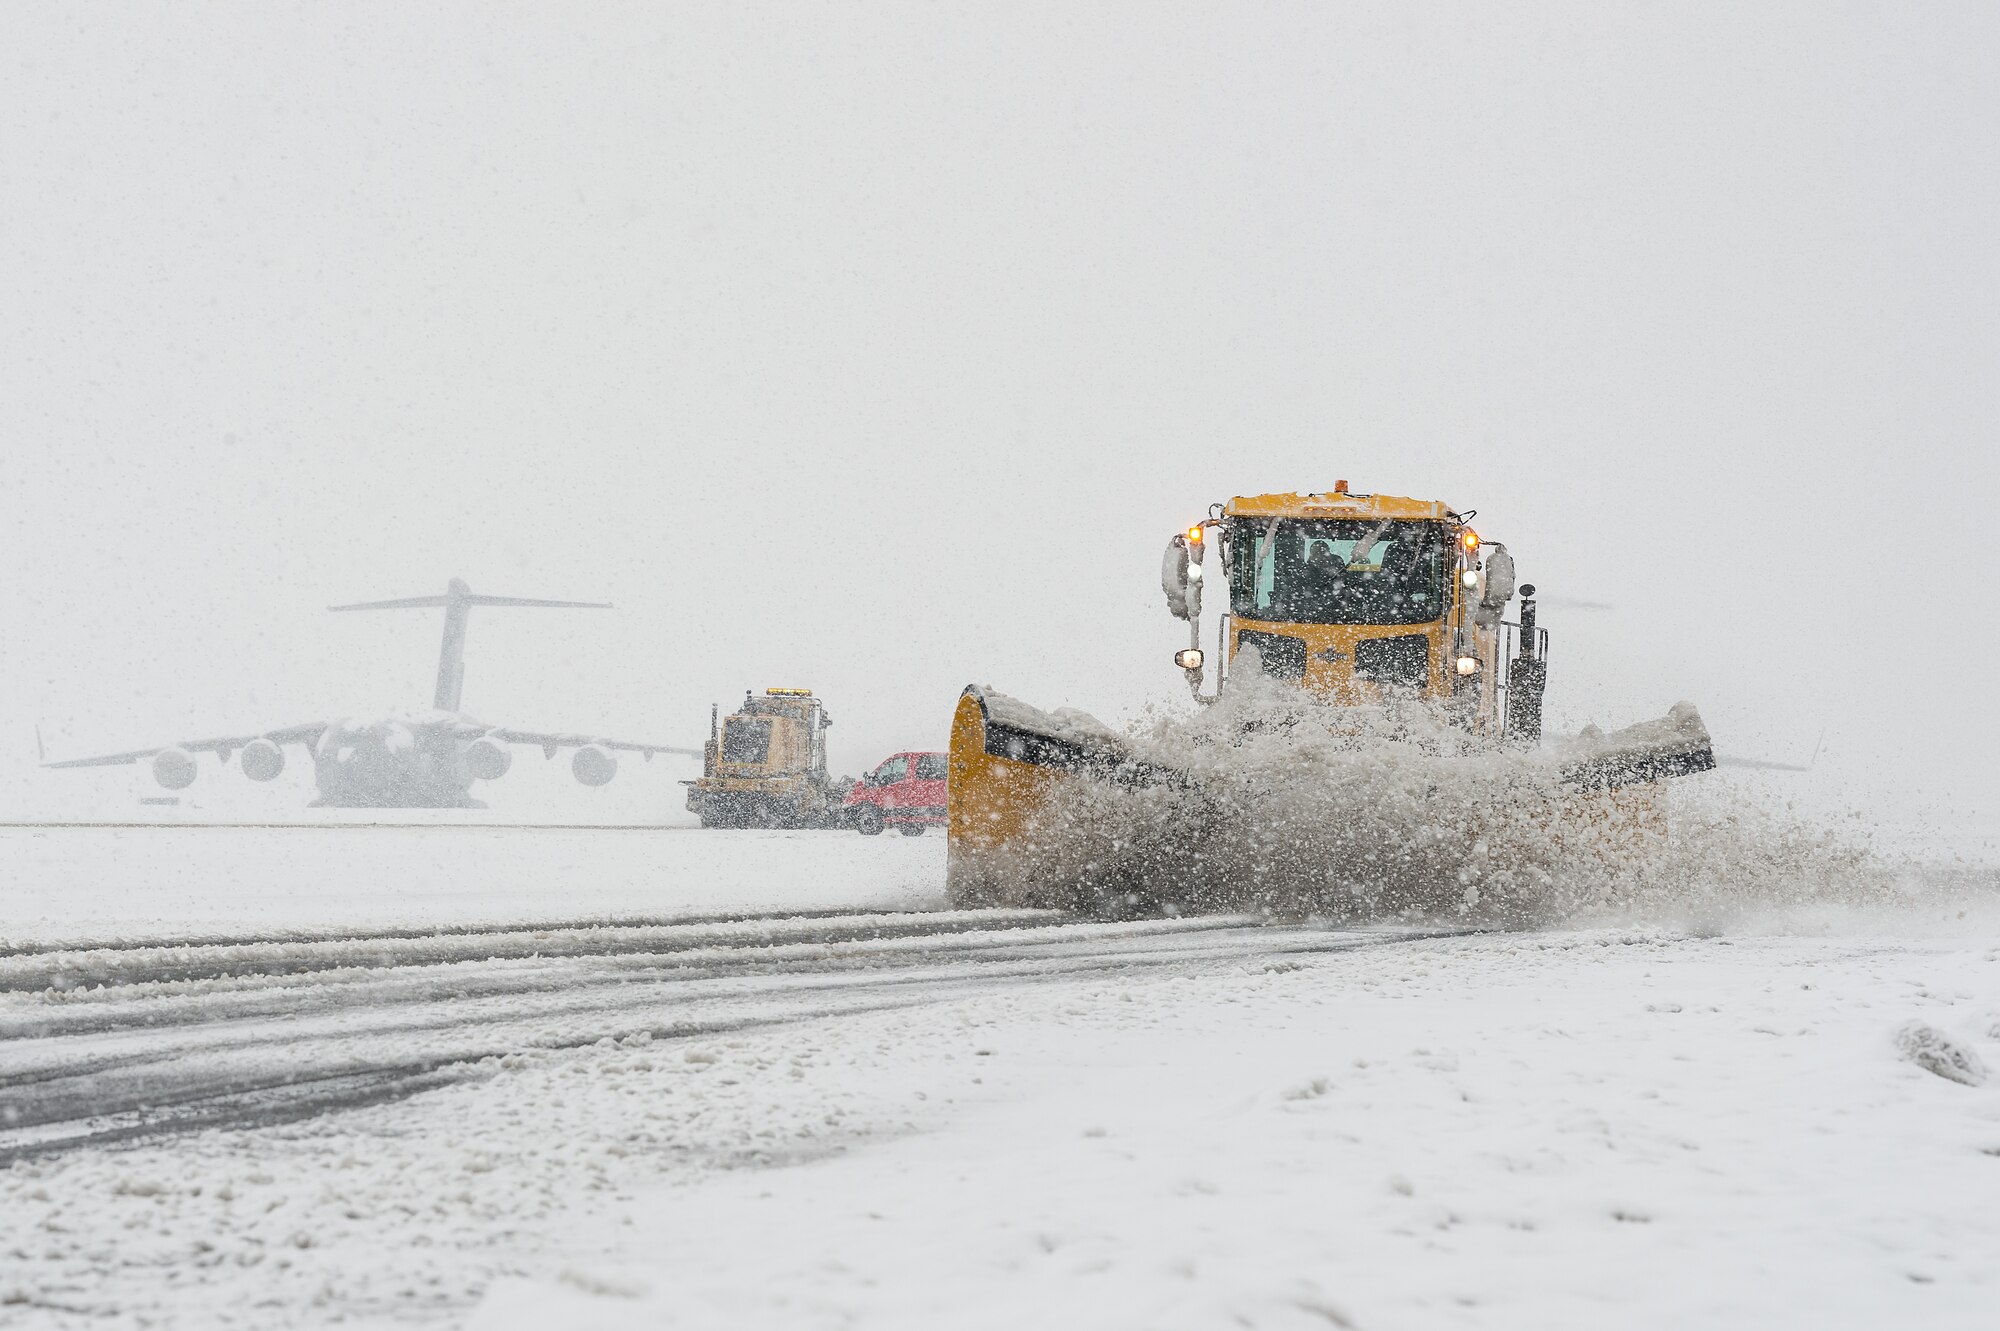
column 72, row 969
column 98, row 1073
column 156, row 1057
column 232, row 998
column 133, row 943
column 42, row 1055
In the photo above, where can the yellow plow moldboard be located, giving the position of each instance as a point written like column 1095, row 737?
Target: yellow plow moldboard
column 1056, row 811
column 1011, row 767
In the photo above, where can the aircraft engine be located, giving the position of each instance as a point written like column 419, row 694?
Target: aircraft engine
column 593, row 765
column 174, row 768
column 261, row 761
column 488, row 759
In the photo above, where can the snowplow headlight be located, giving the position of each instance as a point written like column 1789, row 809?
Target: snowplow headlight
column 1469, row 578
column 1468, row 665
column 1189, row 658
column 1194, row 573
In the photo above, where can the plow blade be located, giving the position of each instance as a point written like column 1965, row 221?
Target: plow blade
column 1675, row 745
column 1056, row 810
column 1013, row 769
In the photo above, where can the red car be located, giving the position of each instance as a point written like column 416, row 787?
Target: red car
column 906, row 792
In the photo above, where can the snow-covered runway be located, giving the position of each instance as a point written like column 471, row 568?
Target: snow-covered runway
column 631, row 1081
column 114, row 1043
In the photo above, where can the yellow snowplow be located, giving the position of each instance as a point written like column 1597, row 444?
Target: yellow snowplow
column 1372, row 740
column 765, row 766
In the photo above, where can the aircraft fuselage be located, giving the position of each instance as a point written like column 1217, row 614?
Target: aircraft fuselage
column 394, row 763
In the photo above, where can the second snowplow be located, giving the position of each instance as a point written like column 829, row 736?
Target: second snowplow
column 765, row 766
column 1373, row 737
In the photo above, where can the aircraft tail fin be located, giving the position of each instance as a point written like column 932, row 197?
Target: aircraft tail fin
column 457, row 603
column 410, row 603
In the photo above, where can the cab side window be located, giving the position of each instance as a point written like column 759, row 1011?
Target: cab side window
column 930, row 766
column 889, row 773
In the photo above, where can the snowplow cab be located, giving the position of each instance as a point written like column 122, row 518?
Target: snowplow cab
column 1348, row 595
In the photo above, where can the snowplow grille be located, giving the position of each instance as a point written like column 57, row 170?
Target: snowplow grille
column 1401, row 660
column 1283, row 656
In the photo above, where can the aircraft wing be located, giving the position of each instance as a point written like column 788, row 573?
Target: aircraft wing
column 1760, row 764
column 550, row 743
column 1766, row 765
column 223, row 748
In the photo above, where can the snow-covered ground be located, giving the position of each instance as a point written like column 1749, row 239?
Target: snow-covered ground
column 88, row 883
column 1611, row 1129
column 1036, row 1122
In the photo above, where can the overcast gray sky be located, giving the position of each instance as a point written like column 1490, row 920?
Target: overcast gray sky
column 879, row 348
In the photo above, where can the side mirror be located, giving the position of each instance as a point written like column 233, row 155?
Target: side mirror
column 1499, row 578
column 1183, row 591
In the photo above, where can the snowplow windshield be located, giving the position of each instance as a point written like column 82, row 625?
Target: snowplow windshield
column 1337, row 570
column 746, row 740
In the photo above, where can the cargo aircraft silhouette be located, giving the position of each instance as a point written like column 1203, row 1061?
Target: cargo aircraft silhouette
column 424, row 760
